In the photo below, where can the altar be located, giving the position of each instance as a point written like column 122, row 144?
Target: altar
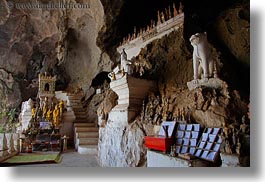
column 41, row 131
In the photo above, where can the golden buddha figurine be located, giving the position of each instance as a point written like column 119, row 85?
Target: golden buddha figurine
column 49, row 115
column 56, row 116
column 162, row 17
column 45, row 107
column 61, row 107
column 33, row 112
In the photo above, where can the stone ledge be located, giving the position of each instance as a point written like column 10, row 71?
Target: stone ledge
column 158, row 159
column 215, row 83
column 229, row 160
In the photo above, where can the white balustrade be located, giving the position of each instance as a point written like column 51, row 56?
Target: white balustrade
column 9, row 145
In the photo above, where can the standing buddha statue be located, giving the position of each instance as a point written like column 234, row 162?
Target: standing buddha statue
column 49, row 115
column 56, row 116
column 61, row 107
column 45, row 107
column 33, row 112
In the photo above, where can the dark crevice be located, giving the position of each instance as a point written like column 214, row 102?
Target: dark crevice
column 100, row 79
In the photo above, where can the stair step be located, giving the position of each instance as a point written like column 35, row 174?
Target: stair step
column 88, row 141
column 86, row 129
column 71, row 99
column 81, row 120
column 80, row 110
column 88, row 149
column 75, row 104
column 75, row 94
column 93, row 134
column 84, row 124
column 74, row 98
column 77, row 107
column 81, row 117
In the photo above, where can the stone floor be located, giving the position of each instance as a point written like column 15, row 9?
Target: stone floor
column 71, row 159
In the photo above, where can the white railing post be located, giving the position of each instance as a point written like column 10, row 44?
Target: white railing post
column 5, row 147
column 18, row 143
column 11, row 144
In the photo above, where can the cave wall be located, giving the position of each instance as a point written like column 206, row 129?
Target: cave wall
column 29, row 40
column 27, row 36
column 83, row 53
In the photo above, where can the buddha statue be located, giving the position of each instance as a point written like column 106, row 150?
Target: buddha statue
column 44, row 107
column 61, row 107
column 125, row 63
column 162, row 17
column 49, row 115
column 33, row 112
column 56, row 116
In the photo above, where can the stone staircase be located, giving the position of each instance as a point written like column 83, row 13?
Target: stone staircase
column 85, row 133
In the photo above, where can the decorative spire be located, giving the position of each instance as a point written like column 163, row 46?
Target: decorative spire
column 158, row 18
column 180, row 8
column 175, row 11
column 134, row 33
column 162, row 17
column 166, row 14
column 169, row 13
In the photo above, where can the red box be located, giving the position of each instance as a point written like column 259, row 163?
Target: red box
column 158, row 143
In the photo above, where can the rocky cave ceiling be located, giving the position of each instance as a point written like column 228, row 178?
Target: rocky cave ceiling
column 29, row 39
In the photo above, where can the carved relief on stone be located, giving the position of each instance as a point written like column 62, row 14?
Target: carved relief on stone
column 141, row 65
column 238, row 147
column 244, row 128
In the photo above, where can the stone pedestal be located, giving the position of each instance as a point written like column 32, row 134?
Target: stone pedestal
column 157, row 159
column 215, row 83
column 229, row 160
column 26, row 117
column 131, row 92
column 8, row 145
column 67, row 126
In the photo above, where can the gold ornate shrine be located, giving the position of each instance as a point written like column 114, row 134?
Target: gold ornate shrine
column 46, row 87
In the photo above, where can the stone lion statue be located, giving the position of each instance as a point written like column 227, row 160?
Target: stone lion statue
column 202, row 57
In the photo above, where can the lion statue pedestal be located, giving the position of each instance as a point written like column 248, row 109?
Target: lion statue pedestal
column 215, row 83
column 204, row 66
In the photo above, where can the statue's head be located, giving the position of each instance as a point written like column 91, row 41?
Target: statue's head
column 197, row 38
